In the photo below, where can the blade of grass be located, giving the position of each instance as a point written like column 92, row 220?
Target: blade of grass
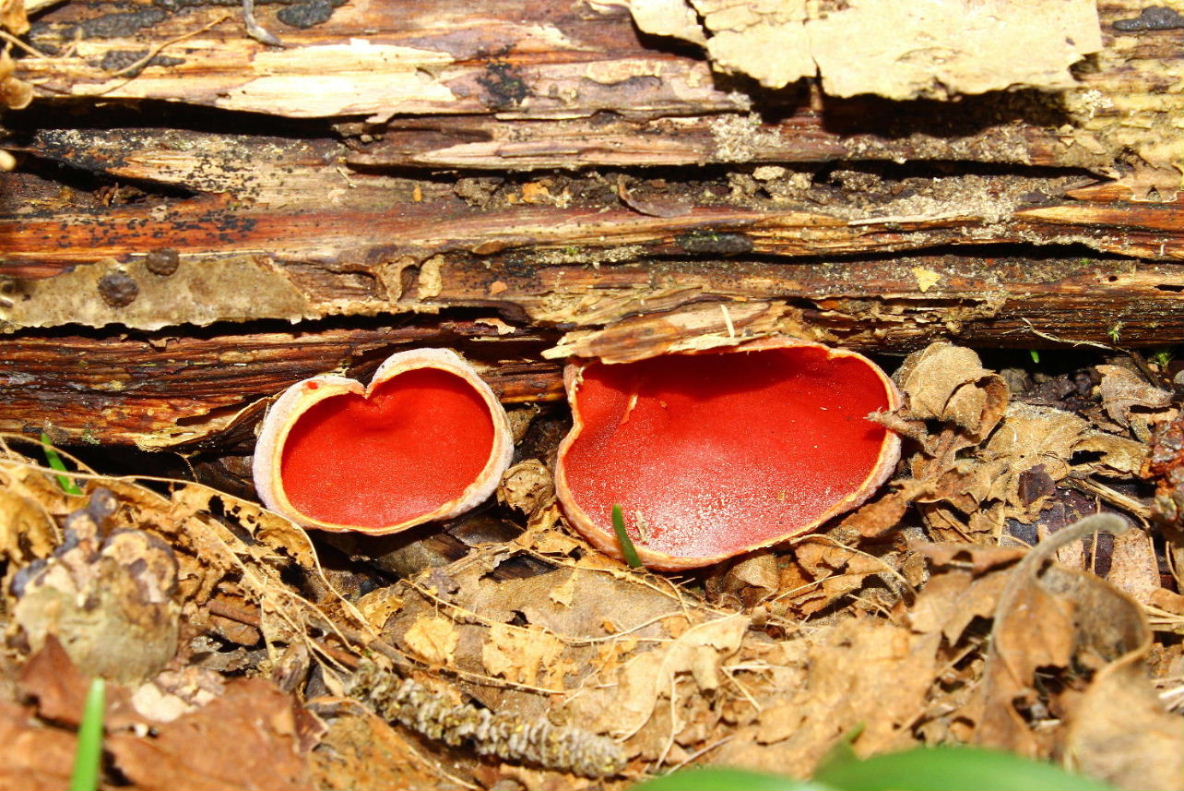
column 55, row 461
column 88, row 755
column 713, row 778
column 623, row 536
column 938, row 768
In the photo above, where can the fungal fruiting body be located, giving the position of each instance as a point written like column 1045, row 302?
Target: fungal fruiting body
column 714, row 453
column 426, row 440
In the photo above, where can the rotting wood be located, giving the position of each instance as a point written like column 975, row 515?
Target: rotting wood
column 558, row 61
column 167, row 388
column 176, row 391
column 874, row 224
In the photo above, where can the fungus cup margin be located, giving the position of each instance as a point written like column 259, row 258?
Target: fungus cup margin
column 299, row 398
column 603, row 536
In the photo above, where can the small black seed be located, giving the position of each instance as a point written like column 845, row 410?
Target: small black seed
column 118, row 289
column 162, row 262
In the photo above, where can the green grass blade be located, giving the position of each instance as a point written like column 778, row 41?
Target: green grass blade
column 55, row 461
column 963, row 768
column 712, row 778
column 623, row 536
column 88, row 756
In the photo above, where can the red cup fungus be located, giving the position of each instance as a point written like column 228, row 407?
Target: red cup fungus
column 426, row 440
column 715, row 453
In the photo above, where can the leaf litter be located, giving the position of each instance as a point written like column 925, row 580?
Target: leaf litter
column 534, row 661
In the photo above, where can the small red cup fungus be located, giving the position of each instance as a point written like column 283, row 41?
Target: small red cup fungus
column 716, row 453
column 426, row 440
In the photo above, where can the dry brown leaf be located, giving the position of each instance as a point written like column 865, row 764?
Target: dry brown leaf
column 748, row 581
column 1119, row 732
column 15, row 94
column 1068, row 624
column 379, row 605
column 527, row 486
column 1134, row 567
column 948, row 383
column 952, row 599
column 976, row 558
column 598, row 595
column 858, row 672
column 876, row 518
column 60, row 689
column 523, row 655
column 564, row 593
column 249, row 738
column 13, row 17
column 26, row 531
column 361, row 751
column 1131, row 402
column 1015, row 474
column 433, row 638
column 36, row 758
column 625, row 708
column 1038, row 632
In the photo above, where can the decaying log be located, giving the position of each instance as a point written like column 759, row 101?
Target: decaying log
column 168, row 388
column 176, row 391
column 531, row 182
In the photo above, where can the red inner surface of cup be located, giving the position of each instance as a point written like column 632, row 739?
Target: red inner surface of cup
column 417, row 442
column 711, row 453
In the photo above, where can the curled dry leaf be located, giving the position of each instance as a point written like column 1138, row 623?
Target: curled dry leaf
column 1087, row 640
column 1014, row 475
column 26, row 530
column 1031, row 435
column 527, row 486
column 1165, row 466
column 948, row 383
column 1131, row 402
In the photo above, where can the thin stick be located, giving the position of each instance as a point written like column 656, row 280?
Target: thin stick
column 152, row 53
column 16, row 42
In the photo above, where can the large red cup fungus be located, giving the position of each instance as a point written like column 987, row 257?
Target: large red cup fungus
column 426, row 440
column 714, row 453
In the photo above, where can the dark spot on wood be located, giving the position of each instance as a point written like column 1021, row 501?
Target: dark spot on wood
column 118, row 289
column 119, row 59
column 504, row 85
column 163, row 262
column 306, row 15
column 715, row 243
column 123, row 24
column 1152, row 18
